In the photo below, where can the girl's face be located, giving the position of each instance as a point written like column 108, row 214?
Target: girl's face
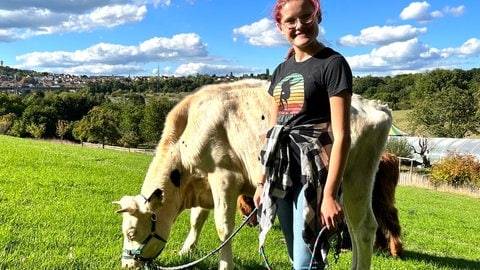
column 299, row 24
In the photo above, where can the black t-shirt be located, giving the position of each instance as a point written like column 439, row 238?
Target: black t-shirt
column 302, row 90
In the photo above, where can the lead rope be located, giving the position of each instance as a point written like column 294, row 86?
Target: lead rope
column 188, row 265
column 336, row 256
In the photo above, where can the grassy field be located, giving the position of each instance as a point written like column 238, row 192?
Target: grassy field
column 401, row 120
column 56, row 212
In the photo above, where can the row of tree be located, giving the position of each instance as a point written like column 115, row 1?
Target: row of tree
column 443, row 103
column 79, row 116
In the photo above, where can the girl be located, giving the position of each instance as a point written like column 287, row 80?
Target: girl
column 305, row 153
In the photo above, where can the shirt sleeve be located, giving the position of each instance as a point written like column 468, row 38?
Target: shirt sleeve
column 338, row 76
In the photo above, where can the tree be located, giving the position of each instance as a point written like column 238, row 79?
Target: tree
column 399, row 146
column 131, row 116
column 36, row 130
column 155, row 112
column 103, row 124
column 81, row 129
column 6, row 121
column 10, row 103
column 63, row 127
column 451, row 112
column 424, row 149
column 41, row 115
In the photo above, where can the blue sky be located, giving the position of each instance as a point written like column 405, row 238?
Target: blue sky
column 189, row 37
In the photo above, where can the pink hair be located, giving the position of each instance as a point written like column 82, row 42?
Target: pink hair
column 278, row 17
column 280, row 3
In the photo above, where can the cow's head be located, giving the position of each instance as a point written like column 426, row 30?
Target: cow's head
column 148, row 218
column 142, row 241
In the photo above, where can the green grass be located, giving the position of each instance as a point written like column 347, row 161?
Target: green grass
column 56, row 213
column 401, row 118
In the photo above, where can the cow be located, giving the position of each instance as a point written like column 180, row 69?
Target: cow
column 212, row 138
column 388, row 235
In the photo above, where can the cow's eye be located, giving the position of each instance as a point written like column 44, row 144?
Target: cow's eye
column 131, row 234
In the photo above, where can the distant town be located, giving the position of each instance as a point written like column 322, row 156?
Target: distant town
column 25, row 81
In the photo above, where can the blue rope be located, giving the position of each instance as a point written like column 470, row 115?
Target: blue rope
column 312, row 259
column 189, row 265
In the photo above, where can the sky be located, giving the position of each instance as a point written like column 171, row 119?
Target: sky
column 223, row 37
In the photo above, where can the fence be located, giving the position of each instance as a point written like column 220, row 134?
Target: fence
column 118, row 148
column 409, row 178
column 422, row 181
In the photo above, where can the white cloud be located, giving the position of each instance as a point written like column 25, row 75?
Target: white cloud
column 178, row 48
column 377, row 35
column 418, row 11
column 181, row 45
column 470, row 48
column 24, row 19
column 261, row 33
column 455, row 11
column 407, row 55
column 412, row 56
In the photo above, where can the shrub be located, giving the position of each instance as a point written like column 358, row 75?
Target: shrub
column 6, row 121
column 457, row 170
column 399, row 146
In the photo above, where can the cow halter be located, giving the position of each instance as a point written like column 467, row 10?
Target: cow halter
column 135, row 254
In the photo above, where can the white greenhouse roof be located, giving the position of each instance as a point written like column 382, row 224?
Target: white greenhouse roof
column 439, row 147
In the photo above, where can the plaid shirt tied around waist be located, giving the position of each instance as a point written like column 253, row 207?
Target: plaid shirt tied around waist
column 315, row 144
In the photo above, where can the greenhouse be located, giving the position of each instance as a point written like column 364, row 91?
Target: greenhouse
column 439, row 147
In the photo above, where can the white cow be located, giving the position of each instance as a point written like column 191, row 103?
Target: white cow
column 214, row 134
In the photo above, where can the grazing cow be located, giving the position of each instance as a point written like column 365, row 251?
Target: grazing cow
column 214, row 135
column 383, row 204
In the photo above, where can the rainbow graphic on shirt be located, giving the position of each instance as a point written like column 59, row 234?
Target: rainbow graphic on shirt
column 289, row 94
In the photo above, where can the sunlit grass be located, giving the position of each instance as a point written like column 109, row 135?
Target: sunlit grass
column 401, row 119
column 56, row 213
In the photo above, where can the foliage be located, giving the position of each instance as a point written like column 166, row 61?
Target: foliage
column 399, row 146
column 450, row 112
column 36, row 130
column 63, row 127
column 6, row 121
column 56, row 212
column 18, row 128
column 103, row 124
column 11, row 104
column 457, row 169
column 80, row 129
column 152, row 123
column 442, row 103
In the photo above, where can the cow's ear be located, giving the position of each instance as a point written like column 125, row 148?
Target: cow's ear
column 175, row 177
column 155, row 200
column 127, row 204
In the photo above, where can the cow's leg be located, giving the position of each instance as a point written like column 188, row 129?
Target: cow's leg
column 359, row 214
column 393, row 229
column 225, row 191
column 198, row 216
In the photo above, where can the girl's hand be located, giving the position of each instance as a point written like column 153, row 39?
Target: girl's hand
column 257, row 196
column 331, row 212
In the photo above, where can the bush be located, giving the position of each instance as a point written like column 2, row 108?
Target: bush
column 399, row 146
column 457, row 170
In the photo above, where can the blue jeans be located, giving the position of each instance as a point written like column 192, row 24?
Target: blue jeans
column 290, row 215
